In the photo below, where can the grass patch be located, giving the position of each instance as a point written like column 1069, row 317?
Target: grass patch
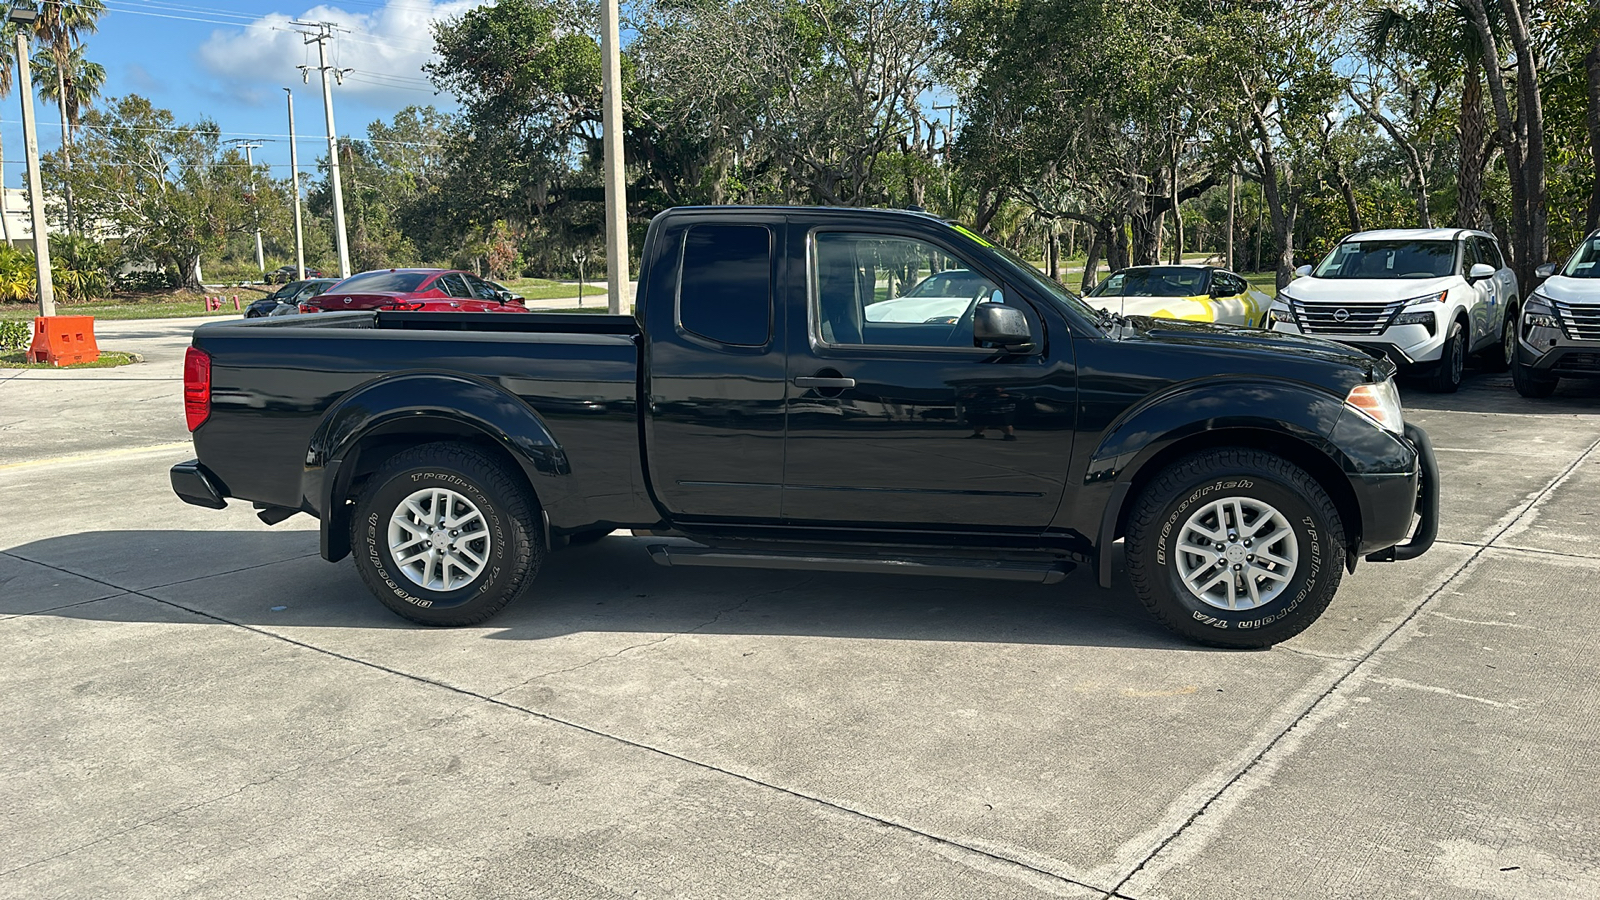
column 153, row 305
column 109, row 359
column 580, row 310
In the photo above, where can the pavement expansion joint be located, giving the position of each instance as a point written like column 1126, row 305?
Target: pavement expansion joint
column 1308, row 717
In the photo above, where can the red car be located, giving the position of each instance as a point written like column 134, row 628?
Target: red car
column 418, row 290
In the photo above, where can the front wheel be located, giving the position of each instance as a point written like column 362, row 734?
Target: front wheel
column 1530, row 384
column 444, row 534
column 1446, row 379
column 1235, row 548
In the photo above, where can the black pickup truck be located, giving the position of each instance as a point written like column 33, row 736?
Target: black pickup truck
column 849, row 389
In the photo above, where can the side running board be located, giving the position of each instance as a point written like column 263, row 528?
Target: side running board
column 1003, row 570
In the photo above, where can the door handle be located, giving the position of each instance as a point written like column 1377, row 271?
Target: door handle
column 824, row 382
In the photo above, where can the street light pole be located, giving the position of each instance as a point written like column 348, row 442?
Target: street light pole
column 615, row 174
column 25, row 15
column 294, row 180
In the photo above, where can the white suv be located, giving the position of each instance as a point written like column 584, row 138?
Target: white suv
column 1424, row 297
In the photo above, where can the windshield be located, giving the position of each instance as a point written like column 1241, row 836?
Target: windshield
column 399, row 282
column 954, row 283
column 1585, row 262
column 1155, row 281
column 1384, row 260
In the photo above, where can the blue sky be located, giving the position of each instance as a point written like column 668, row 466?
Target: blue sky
column 229, row 60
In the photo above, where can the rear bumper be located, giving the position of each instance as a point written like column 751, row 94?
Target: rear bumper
column 194, row 483
column 1387, row 513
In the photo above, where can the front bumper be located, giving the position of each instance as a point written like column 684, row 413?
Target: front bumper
column 1550, row 353
column 1413, row 541
column 194, row 483
column 1407, row 346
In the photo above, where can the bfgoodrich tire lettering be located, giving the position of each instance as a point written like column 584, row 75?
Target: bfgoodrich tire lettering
column 1259, row 480
column 508, row 539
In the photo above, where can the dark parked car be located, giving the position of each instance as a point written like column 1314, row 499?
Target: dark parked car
column 416, row 290
column 290, row 294
column 286, row 274
column 754, row 409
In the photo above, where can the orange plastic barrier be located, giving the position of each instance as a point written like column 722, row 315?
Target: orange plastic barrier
column 63, row 340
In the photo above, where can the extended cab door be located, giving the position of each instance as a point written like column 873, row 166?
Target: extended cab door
column 895, row 418
column 713, row 366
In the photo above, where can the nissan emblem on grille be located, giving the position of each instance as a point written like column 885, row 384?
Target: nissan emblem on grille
column 1339, row 315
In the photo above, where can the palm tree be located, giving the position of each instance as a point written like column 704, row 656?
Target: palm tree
column 81, row 82
column 60, row 28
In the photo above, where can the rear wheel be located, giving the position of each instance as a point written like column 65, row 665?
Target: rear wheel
column 444, row 535
column 1446, row 379
column 1235, row 548
column 1531, row 384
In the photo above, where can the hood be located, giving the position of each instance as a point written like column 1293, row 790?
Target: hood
column 1364, row 290
column 1570, row 290
column 1265, row 346
column 1194, row 309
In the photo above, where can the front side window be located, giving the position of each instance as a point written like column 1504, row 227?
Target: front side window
column 879, row 290
column 725, row 291
column 1385, row 260
column 1489, row 252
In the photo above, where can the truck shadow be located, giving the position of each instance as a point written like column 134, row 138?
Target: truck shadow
column 273, row 580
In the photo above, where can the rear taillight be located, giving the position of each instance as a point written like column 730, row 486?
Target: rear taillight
column 403, row 306
column 196, row 387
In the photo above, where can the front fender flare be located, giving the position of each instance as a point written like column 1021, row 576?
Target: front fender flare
column 1159, row 423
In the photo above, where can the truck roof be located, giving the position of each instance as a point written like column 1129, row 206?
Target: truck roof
column 810, row 210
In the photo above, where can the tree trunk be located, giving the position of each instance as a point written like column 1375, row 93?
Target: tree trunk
column 192, row 277
column 1473, row 132
column 1177, row 219
column 66, row 148
column 1118, row 253
column 1092, row 264
column 1591, row 67
column 1233, row 202
column 5, row 222
column 1054, row 252
column 1535, row 237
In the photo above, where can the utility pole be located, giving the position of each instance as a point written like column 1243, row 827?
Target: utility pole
column 320, row 38
column 616, row 175
column 250, row 161
column 27, row 16
column 294, row 181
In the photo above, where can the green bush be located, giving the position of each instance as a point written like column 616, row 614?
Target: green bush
column 15, row 336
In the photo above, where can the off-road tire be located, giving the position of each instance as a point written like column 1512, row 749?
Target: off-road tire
column 1532, row 385
column 1446, row 379
column 1500, row 356
column 1157, row 520
column 507, row 507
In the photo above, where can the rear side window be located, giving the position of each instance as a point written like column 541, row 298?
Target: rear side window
column 725, row 293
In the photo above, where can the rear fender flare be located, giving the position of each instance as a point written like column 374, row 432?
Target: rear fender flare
column 424, row 404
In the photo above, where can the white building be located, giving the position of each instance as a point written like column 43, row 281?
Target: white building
column 16, row 221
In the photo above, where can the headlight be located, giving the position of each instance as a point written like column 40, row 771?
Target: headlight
column 1539, row 314
column 1379, row 402
column 1278, row 312
column 1423, row 317
column 1426, row 298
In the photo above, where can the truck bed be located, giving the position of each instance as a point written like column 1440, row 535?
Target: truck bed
column 275, row 381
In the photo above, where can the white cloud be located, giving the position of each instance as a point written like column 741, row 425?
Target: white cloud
column 386, row 49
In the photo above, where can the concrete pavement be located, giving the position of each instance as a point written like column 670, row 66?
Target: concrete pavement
column 194, row 704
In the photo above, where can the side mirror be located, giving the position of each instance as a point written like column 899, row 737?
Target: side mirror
column 1302, row 271
column 1004, row 326
column 1545, row 271
column 1480, row 271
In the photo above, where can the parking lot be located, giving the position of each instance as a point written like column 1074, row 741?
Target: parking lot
column 194, row 704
